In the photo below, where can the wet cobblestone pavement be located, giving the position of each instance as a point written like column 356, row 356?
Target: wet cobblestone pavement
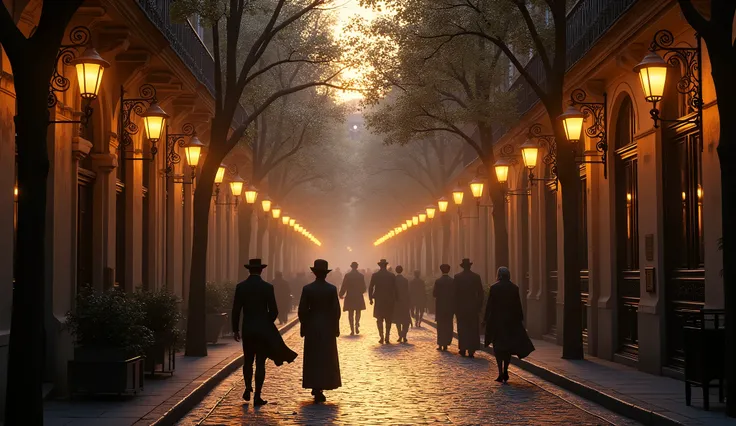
column 400, row 384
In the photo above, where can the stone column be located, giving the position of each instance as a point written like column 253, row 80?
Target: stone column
column 186, row 231
column 104, row 220
column 536, row 299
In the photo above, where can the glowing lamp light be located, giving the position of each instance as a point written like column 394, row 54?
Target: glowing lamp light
column 457, row 196
column 476, row 187
column 422, row 217
column 652, row 72
column 236, row 185
column 409, row 223
column 220, row 175
column 276, row 212
column 285, row 219
column 572, row 122
column 502, row 171
column 292, row 222
column 266, row 204
column 192, row 150
column 529, row 153
column 430, row 211
column 404, row 227
column 154, row 120
column 442, row 204
column 251, row 194
column 415, row 220
column 90, row 67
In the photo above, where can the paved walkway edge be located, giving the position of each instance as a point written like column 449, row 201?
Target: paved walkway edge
column 181, row 408
column 610, row 402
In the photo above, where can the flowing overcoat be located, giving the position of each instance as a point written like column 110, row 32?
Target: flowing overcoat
column 319, row 315
column 402, row 307
column 468, row 304
column 255, row 298
column 418, row 292
column 444, row 296
column 383, row 291
column 353, row 288
column 504, row 320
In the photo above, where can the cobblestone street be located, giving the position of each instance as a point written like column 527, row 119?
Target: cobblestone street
column 399, row 384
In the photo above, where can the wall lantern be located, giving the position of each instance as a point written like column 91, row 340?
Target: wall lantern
column 236, row 185
column 415, row 220
column 502, row 171
column 276, row 212
column 530, row 154
column 652, row 72
column 266, row 204
column 572, row 121
column 409, row 223
column 192, row 150
column 476, row 188
column 251, row 194
column 431, row 211
column 422, row 217
column 292, row 222
column 154, row 120
column 144, row 106
column 285, row 219
column 404, row 227
column 457, row 196
column 442, row 204
column 90, row 68
column 220, row 175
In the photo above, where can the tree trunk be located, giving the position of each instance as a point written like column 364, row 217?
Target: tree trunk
column 500, row 228
column 245, row 228
column 445, row 238
column 569, row 178
column 272, row 252
column 262, row 227
column 196, row 341
column 26, row 351
column 428, row 248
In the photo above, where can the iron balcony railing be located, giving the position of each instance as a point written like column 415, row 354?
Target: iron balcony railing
column 587, row 22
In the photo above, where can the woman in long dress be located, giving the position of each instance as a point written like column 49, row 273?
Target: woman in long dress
column 319, row 315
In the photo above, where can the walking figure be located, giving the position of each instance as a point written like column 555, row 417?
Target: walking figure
column 283, row 297
column 418, row 293
column 444, row 297
column 383, row 290
column 402, row 307
column 504, row 323
column 319, row 314
column 468, row 304
column 261, row 339
column 352, row 290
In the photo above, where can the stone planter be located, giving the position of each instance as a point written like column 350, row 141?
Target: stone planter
column 160, row 359
column 105, row 371
column 215, row 324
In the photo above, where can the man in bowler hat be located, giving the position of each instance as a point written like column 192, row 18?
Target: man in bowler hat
column 255, row 298
column 352, row 290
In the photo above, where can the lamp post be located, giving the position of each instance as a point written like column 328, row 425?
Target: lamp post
column 154, row 120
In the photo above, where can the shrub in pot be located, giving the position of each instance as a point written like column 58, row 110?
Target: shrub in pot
column 216, row 307
column 110, row 340
column 162, row 317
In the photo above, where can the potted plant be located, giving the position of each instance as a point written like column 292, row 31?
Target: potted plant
column 162, row 317
column 216, row 311
column 110, row 341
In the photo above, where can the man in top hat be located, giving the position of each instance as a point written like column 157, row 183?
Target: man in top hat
column 352, row 290
column 255, row 298
column 468, row 304
column 383, row 290
column 319, row 315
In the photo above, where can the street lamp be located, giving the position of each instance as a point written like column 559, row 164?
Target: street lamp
column 154, row 120
column 502, row 171
column 404, row 227
column 409, row 223
column 529, row 154
column 266, row 204
column 251, row 194
column 220, row 175
column 457, row 196
column 476, row 187
column 431, row 211
column 285, row 219
column 192, row 151
column 652, row 72
column 422, row 217
column 415, row 220
column 90, row 68
column 572, row 122
column 442, row 204
column 276, row 212
column 292, row 222
column 236, row 186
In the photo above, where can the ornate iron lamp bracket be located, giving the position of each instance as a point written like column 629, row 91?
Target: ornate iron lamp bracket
column 79, row 37
column 688, row 59
column 598, row 111
column 174, row 140
column 550, row 158
column 127, row 127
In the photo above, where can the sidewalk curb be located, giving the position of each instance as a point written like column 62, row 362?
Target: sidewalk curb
column 610, row 402
column 186, row 404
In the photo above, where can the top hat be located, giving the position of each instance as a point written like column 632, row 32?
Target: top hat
column 382, row 262
column 466, row 262
column 255, row 264
column 320, row 265
column 354, row 265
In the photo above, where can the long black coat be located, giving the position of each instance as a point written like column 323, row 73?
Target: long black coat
column 504, row 320
column 444, row 296
column 319, row 315
column 352, row 289
column 418, row 293
column 402, row 308
column 383, row 290
column 468, row 303
column 283, row 297
column 255, row 298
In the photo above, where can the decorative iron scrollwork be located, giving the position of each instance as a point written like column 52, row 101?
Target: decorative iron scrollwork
column 598, row 112
column 174, row 140
column 79, row 37
column 147, row 96
column 685, row 58
column 547, row 141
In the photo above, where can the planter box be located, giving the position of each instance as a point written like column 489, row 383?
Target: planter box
column 160, row 359
column 215, row 324
column 105, row 371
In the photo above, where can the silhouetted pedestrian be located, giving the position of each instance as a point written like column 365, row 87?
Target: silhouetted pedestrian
column 468, row 304
column 444, row 299
column 300, row 280
column 383, row 290
column 402, row 316
column 319, row 314
column 352, row 290
column 283, row 297
column 336, row 276
column 418, row 293
column 261, row 339
column 504, row 323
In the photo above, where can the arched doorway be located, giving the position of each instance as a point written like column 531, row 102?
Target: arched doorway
column 627, row 230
